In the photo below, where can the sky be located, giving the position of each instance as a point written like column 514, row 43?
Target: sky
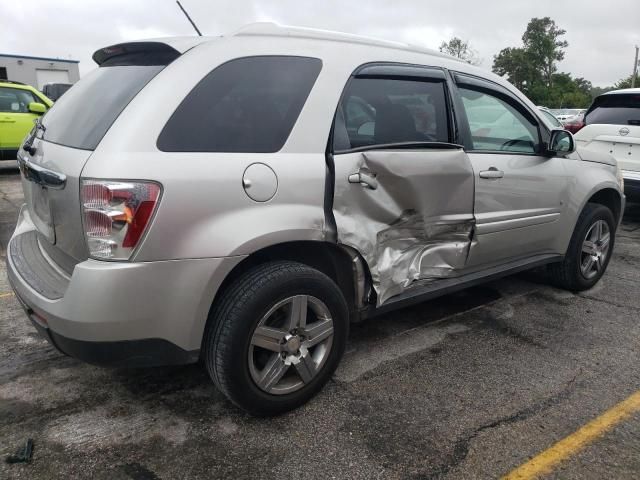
column 601, row 35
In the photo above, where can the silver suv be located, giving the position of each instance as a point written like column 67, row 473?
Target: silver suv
column 241, row 199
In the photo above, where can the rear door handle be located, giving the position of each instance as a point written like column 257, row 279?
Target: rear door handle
column 365, row 179
column 492, row 173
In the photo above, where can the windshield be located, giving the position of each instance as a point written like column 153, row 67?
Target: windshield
column 618, row 109
column 84, row 114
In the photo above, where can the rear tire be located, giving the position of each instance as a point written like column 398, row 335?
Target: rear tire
column 589, row 250
column 275, row 336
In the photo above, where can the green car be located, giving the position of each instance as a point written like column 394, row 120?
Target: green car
column 20, row 105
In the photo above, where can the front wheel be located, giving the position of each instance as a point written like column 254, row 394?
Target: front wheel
column 275, row 337
column 589, row 250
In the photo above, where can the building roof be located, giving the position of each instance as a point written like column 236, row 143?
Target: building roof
column 47, row 59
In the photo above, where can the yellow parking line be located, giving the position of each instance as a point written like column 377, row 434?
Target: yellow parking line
column 547, row 460
column 2, row 295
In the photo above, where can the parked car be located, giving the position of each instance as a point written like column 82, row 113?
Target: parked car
column 575, row 123
column 20, row 105
column 55, row 90
column 288, row 182
column 564, row 114
column 612, row 126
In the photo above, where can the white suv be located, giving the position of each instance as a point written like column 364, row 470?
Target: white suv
column 612, row 126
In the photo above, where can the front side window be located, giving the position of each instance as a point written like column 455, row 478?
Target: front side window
column 15, row 100
column 496, row 125
column 551, row 119
column 246, row 105
column 615, row 109
column 379, row 111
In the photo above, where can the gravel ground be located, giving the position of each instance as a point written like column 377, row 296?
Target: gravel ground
column 470, row 385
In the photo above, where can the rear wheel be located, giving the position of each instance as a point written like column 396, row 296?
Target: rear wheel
column 589, row 251
column 275, row 337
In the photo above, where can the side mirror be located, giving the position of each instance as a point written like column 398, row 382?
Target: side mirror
column 35, row 107
column 561, row 142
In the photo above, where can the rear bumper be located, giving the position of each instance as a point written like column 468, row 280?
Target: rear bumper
column 126, row 353
column 117, row 313
column 631, row 184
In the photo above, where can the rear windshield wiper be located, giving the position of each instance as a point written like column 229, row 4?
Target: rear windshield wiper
column 406, row 146
column 28, row 144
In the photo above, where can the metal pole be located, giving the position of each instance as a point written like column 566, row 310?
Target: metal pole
column 188, row 17
column 635, row 70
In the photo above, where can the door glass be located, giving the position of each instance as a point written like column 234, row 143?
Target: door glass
column 14, row 100
column 386, row 111
column 496, row 125
column 552, row 119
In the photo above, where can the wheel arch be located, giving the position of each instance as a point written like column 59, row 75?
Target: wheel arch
column 610, row 198
column 342, row 264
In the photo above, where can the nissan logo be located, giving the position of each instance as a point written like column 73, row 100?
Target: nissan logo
column 623, row 131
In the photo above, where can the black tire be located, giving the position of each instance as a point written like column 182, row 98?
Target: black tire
column 235, row 316
column 567, row 274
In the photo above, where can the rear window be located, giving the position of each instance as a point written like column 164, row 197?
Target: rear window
column 616, row 109
column 81, row 117
column 245, row 105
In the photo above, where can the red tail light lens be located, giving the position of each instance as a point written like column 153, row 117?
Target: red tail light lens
column 573, row 127
column 116, row 215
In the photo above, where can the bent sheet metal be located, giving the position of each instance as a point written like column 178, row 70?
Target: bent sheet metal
column 416, row 224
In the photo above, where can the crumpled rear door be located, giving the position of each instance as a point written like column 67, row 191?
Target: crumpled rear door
column 411, row 217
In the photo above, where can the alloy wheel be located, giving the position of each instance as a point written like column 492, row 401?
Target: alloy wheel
column 595, row 249
column 290, row 344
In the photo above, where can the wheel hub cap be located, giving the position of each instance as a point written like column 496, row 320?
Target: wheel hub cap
column 292, row 343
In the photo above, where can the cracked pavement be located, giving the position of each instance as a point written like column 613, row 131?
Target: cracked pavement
column 469, row 386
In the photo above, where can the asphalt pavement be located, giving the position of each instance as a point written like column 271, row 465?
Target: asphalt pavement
column 471, row 385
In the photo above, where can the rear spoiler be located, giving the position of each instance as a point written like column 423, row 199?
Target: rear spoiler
column 136, row 53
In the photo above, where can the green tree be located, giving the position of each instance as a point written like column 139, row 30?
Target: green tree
column 533, row 68
column 542, row 42
column 516, row 65
column 623, row 83
column 456, row 47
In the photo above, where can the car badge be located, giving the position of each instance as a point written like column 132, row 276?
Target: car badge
column 623, row 131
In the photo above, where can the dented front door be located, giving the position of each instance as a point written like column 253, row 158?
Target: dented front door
column 408, row 213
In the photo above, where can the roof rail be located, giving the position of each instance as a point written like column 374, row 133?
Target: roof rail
column 273, row 29
column 12, row 81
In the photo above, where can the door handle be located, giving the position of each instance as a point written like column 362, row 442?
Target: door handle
column 365, row 179
column 492, row 173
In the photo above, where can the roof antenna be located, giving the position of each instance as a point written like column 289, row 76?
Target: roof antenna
column 188, row 18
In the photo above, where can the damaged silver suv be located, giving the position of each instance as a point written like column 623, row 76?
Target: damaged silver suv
column 241, row 199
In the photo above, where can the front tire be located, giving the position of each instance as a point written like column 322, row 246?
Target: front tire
column 275, row 336
column 589, row 250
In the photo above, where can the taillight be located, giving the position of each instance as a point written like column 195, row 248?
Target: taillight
column 116, row 215
column 573, row 127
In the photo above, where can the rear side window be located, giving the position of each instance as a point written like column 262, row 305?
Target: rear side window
column 83, row 115
column 14, row 100
column 245, row 105
column 379, row 111
column 616, row 109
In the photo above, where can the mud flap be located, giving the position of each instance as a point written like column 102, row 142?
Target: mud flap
column 416, row 225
